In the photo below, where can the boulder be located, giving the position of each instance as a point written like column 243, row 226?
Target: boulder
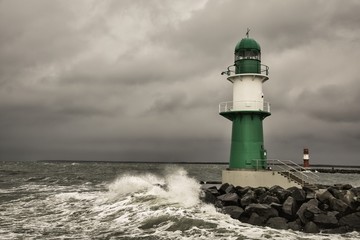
column 277, row 222
column 230, row 189
column 256, row 219
column 260, row 191
column 311, row 211
column 282, row 195
column 248, row 198
column 279, row 192
column 229, row 199
column 241, row 191
column 268, row 199
column 295, row 225
column 223, row 187
column 326, row 220
column 219, row 204
column 338, row 205
column 349, row 198
column 263, row 210
column 352, row 220
column 309, row 192
column 298, row 194
column 275, row 188
column 324, row 206
column 356, row 191
column 234, row 211
column 346, row 186
column 276, row 206
column 208, row 196
column 213, row 191
column 338, row 230
column 311, row 227
column 325, row 197
column 289, row 206
column 335, row 191
column 305, row 214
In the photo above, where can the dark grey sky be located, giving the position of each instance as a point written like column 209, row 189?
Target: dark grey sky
column 140, row 80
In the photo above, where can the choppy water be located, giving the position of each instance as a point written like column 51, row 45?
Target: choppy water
column 123, row 201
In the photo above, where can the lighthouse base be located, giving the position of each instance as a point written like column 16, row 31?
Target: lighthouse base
column 266, row 178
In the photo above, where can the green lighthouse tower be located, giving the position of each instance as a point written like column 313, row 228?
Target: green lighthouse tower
column 248, row 108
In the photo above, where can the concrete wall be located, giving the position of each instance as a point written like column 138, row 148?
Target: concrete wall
column 256, row 179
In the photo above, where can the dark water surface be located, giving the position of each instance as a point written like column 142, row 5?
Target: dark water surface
column 95, row 200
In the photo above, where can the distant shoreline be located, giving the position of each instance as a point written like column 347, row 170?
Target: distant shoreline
column 317, row 167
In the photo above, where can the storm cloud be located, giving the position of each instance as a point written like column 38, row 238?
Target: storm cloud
column 140, row 80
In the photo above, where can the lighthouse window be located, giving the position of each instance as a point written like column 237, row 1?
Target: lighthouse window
column 247, row 54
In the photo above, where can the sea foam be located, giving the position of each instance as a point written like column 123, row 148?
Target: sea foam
column 175, row 187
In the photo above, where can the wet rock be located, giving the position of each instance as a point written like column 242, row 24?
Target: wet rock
column 304, row 214
column 234, row 211
column 325, row 197
column 352, row 220
column 311, row 227
column 241, row 191
column 338, row 205
column 279, row 192
column 324, row 207
column 230, row 189
column 275, row 189
column 311, row 211
column 349, row 198
column 229, row 199
column 213, row 191
column 268, row 199
column 289, row 206
column 346, row 187
column 218, row 204
column 295, row 225
column 310, row 193
column 356, row 191
column 326, row 220
column 208, row 197
column 276, row 206
column 335, row 192
column 277, row 222
column 263, row 210
column 260, row 191
column 248, row 198
column 223, row 187
column 256, row 219
column 338, row 230
column 298, row 194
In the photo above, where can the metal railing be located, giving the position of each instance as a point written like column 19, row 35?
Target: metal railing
column 264, row 69
column 231, row 70
column 293, row 171
column 244, row 106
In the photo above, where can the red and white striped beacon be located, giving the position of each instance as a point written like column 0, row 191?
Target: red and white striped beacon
column 306, row 158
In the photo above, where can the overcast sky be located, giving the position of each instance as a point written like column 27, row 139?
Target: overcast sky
column 140, row 80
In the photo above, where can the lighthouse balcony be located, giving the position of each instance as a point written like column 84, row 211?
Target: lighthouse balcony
column 239, row 106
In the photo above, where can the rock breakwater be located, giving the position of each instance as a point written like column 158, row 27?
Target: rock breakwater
column 332, row 210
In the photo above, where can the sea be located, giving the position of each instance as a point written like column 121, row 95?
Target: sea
column 105, row 200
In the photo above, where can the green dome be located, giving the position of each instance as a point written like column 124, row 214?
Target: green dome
column 247, row 43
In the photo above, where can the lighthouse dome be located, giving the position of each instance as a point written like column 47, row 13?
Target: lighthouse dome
column 247, row 44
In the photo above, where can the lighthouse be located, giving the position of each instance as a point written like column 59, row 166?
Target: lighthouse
column 248, row 165
column 246, row 111
column 248, row 108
